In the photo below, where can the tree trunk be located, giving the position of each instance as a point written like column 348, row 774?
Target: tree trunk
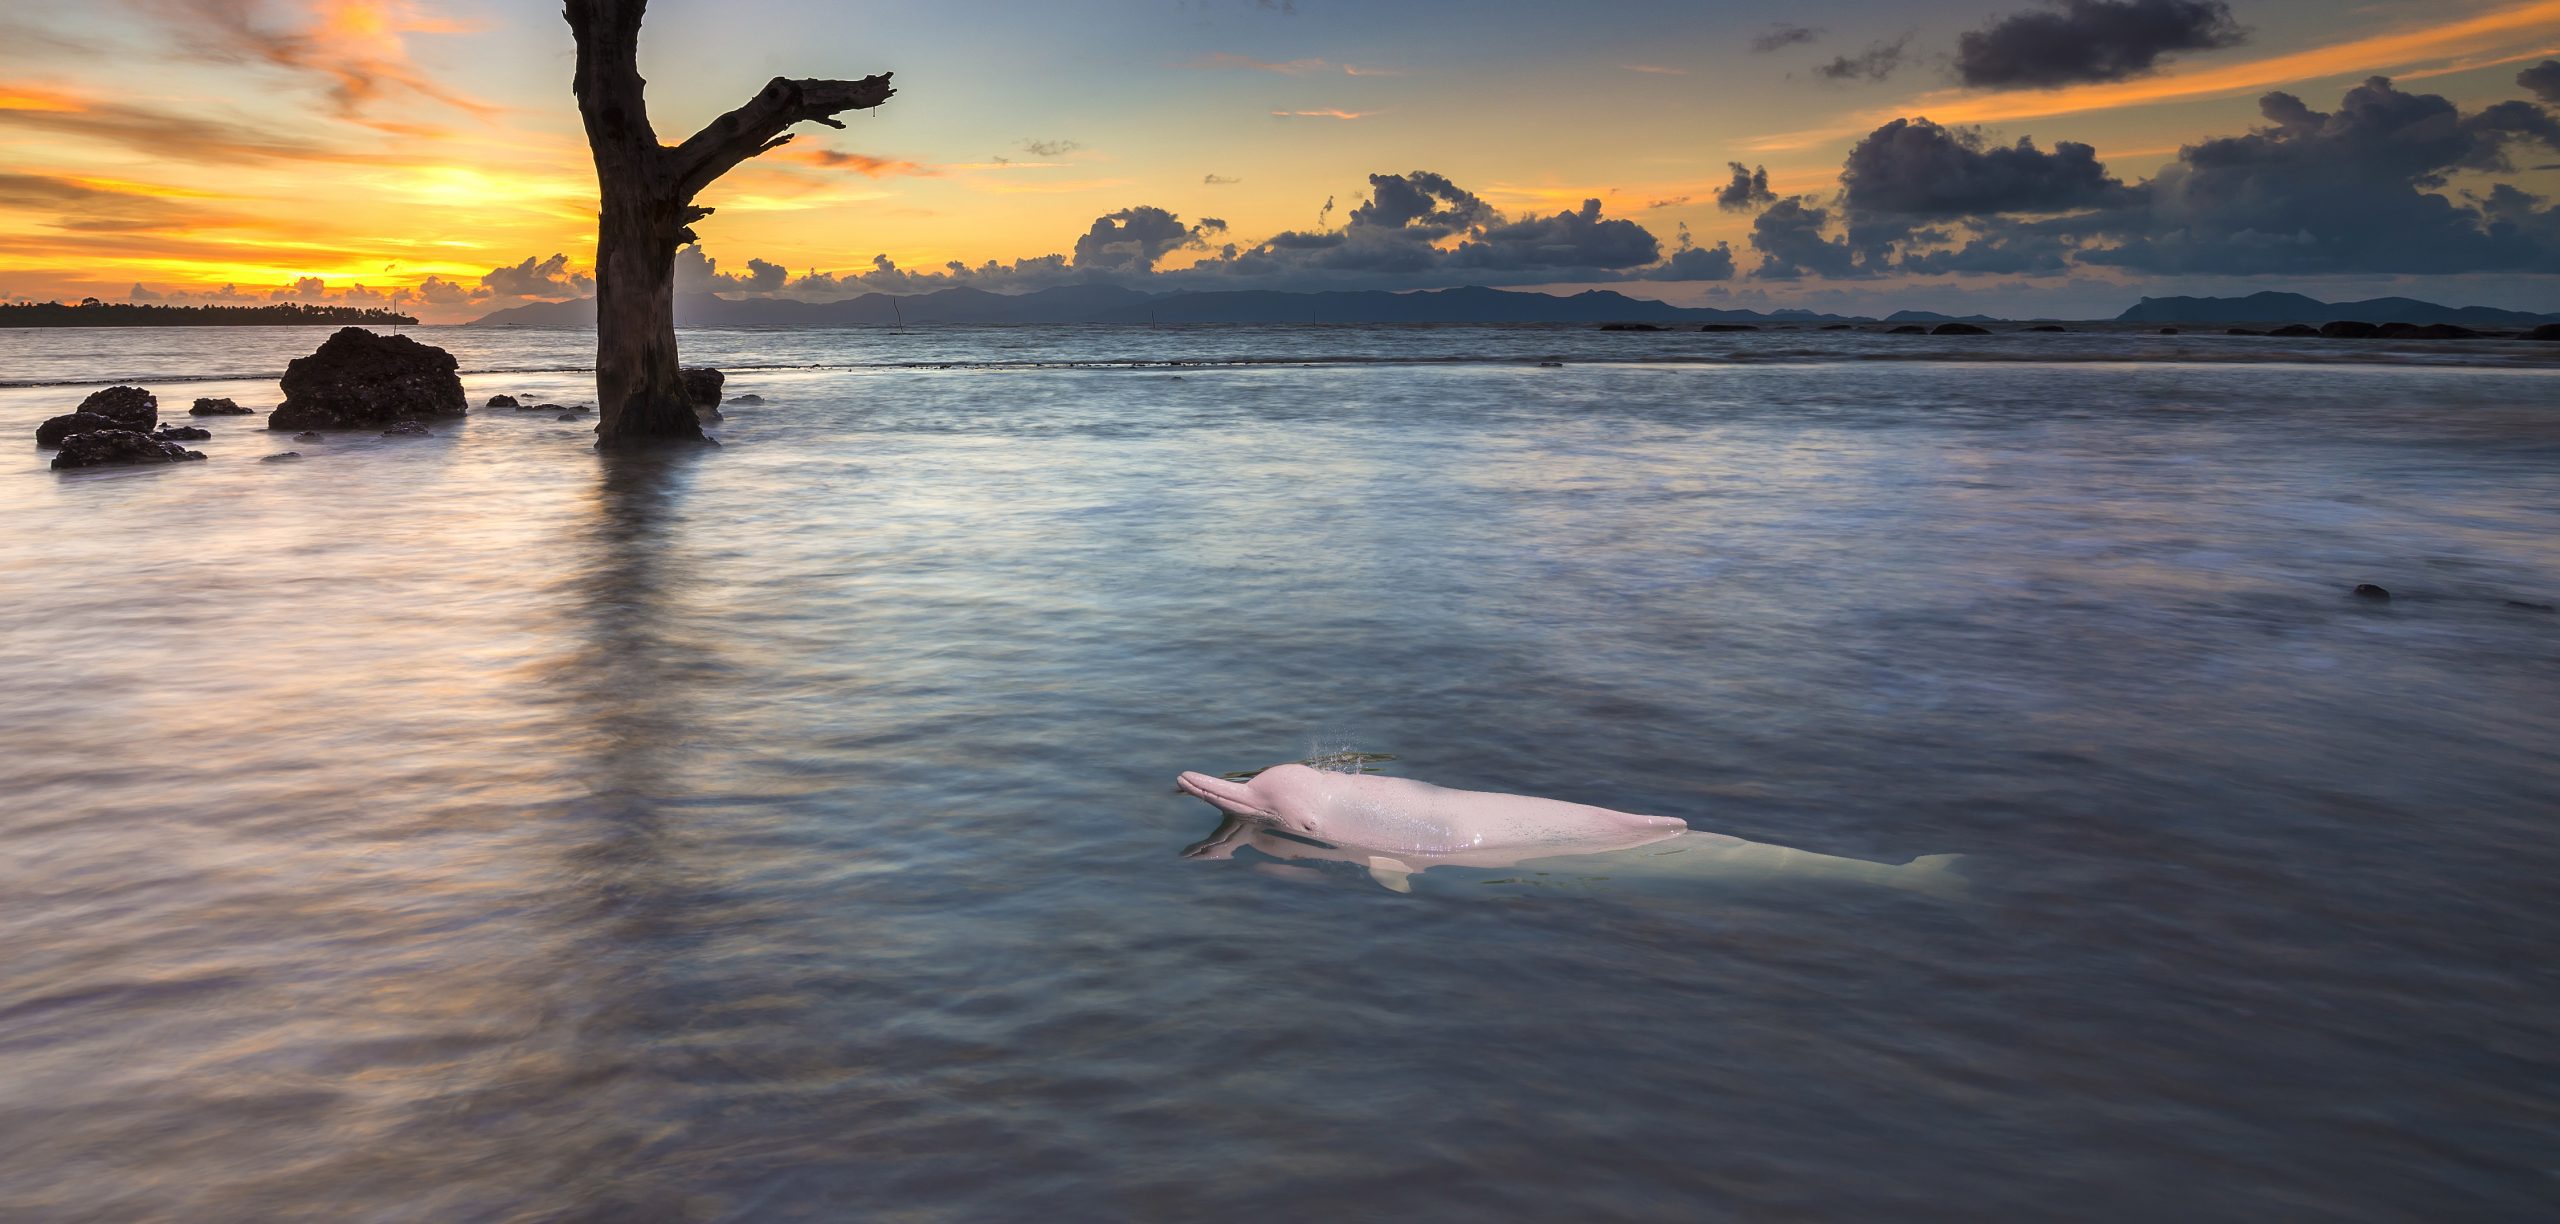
column 647, row 210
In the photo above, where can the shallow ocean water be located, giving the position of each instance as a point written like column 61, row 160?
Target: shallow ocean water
column 470, row 827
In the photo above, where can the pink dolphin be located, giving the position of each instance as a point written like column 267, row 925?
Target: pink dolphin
column 1398, row 828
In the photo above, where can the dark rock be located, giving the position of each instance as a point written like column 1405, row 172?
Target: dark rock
column 2349, row 329
column 407, row 429
column 1721, row 327
column 1837, row 327
column 703, row 383
column 2366, row 590
column 1631, row 327
column 306, row 436
column 749, row 400
column 2521, row 605
column 2426, row 331
column 359, row 378
column 181, row 433
column 1959, row 329
column 2243, row 331
column 2048, row 327
column 130, row 407
column 503, row 401
column 1550, row 365
column 116, row 448
column 1909, row 329
column 568, row 416
column 2168, row 331
column 281, row 457
column 55, row 429
column 2547, row 331
column 2295, row 330
column 220, row 407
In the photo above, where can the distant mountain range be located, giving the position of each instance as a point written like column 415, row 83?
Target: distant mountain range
column 2295, row 308
column 1113, row 304
column 1474, row 304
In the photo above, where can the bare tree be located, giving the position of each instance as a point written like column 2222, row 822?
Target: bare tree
column 648, row 209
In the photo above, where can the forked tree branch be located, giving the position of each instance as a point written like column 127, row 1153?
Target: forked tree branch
column 762, row 124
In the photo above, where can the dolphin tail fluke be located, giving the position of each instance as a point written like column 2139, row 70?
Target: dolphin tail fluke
column 1935, row 874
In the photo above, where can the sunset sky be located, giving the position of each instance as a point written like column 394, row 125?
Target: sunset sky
column 357, row 150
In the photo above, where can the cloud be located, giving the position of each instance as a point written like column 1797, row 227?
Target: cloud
column 1875, row 63
column 1580, row 238
column 860, row 163
column 1655, row 69
column 1321, row 114
column 1048, row 148
column 1429, row 203
column 1749, row 189
column 2543, row 80
column 697, row 272
column 437, row 291
column 1783, row 35
column 307, row 289
column 2076, row 41
column 142, row 293
column 1133, row 239
column 2364, row 189
column 166, row 134
column 1218, row 180
column 1912, row 171
column 1692, row 262
column 358, row 47
column 548, row 278
column 1789, row 236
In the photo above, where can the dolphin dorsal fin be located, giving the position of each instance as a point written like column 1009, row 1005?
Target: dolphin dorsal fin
column 1390, row 874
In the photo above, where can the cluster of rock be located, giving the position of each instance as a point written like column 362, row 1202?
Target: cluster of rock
column 115, row 427
column 359, row 379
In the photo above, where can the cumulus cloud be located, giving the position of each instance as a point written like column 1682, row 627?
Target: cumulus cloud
column 2366, row 188
column 1133, row 239
column 697, row 272
column 1425, row 203
column 2073, row 41
column 1874, row 64
column 142, row 293
column 306, row 289
column 1748, row 190
column 1783, row 34
column 548, row 278
column 1691, row 262
column 437, row 291
column 2543, row 80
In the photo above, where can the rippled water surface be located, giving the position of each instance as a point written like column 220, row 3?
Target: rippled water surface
column 471, row 828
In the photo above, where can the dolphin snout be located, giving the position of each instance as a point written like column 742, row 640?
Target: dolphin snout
column 1233, row 797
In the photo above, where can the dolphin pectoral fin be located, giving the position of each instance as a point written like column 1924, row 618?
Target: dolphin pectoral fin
column 1390, row 874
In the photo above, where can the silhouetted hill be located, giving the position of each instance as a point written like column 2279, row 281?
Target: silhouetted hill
column 2295, row 308
column 1114, row 304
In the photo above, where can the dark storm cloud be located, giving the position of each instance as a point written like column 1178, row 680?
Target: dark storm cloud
column 1427, row 203
column 1873, row 64
column 2073, row 41
column 1748, row 189
column 1578, row 239
column 2543, row 80
column 1133, row 239
column 1790, row 238
column 1783, row 35
column 1912, row 171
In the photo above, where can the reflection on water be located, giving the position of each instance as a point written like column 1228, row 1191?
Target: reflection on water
column 469, row 828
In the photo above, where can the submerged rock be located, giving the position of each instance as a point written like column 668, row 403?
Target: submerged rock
column 1908, row 329
column 702, row 384
column 131, row 407
column 1550, row 365
column 117, row 448
column 2295, row 330
column 407, row 429
column 749, row 400
column 1959, row 329
column 503, row 401
column 305, row 436
column 55, row 429
column 181, row 433
column 219, row 407
column 281, row 457
column 1724, row 327
column 2366, row 590
column 1837, row 327
column 2527, row 606
column 1631, row 327
column 2048, row 327
column 2546, row 331
column 359, row 378
column 2349, row 329
column 2168, row 331
column 2243, row 331
column 568, row 416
